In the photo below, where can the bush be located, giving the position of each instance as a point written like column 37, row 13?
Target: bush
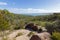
column 56, row 25
column 50, row 28
column 19, row 34
column 30, row 34
column 56, row 36
column 16, row 28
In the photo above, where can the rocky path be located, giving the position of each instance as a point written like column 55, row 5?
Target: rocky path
column 22, row 35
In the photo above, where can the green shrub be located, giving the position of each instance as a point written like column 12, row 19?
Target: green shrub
column 50, row 28
column 19, row 34
column 56, row 25
column 31, row 33
column 56, row 36
column 16, row 28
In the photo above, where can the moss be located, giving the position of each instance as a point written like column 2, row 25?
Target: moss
column 30, row 34
column 19, row 34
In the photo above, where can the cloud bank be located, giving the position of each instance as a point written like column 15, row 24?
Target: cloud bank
column 3, row 3
column 32, row 10
column 28, row 10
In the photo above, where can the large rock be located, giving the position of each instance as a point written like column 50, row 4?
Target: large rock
column 24, row 36
column 35, row 37
column 14, row 34
column 34, row 27
column 44, row 36
column 31, row 27
column 41, row 36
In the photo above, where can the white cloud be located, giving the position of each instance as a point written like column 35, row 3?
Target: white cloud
column 32, row 10
column 3, row 3
column 28, row 10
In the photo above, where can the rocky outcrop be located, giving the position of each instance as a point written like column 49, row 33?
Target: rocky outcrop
column 35, row 37
column 22, row 34
column 33, row 33
column 34, row 27
column 41, row 36
column 31, row 27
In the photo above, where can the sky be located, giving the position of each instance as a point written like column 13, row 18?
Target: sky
column 31, row 6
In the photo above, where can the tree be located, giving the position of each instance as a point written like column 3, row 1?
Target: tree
column 56, row 25
column 3, row 23
column 50, row 27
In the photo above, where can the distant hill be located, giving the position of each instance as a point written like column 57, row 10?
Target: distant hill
column 36, row 14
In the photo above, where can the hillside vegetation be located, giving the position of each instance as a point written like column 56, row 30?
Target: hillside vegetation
column 11, row 21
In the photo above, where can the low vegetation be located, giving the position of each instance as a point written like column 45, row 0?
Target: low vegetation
column 30, row 34
column 11, row 21
column 56, row 36
column 19, row 34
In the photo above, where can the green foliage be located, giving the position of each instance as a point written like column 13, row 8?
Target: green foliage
column 11, row 21
column 30, row 34
column 3, row 23
column 19, row 34
column 56, row 25
column 56, row 36
column 50, row 28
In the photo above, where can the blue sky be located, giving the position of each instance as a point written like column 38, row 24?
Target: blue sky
column 30, row 6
